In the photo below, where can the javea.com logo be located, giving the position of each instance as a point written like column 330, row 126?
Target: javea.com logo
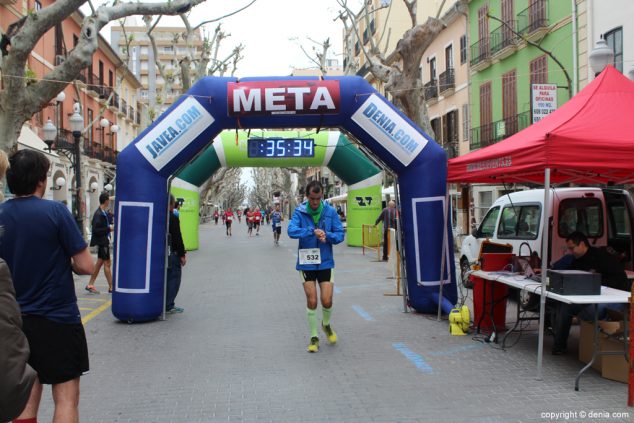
column 389, row 129
column 174, row 133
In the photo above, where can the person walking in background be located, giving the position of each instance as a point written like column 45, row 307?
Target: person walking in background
column 229, row 220
column 101, row 229
column 388, row 216
column 239, row 213
column 276, row 218
column 317, row 226
column 18, row 376
column 216, row 216
column 42, row 246
column 177, row 258
column 257, row 220
column 250, row 221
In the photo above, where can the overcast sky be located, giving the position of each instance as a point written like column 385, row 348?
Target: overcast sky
column 271, row 31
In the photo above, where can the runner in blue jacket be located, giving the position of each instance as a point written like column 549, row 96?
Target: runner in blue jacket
column 317, row 226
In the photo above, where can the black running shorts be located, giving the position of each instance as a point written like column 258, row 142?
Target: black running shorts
column 59, row 352
column 320, row 276
column 103, row 252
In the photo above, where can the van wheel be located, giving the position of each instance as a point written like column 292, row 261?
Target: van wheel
column 464, row 273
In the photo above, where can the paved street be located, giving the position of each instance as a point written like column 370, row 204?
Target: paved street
column 238, row 353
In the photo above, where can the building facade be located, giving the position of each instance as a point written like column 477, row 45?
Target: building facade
column 99, row 99
column 504, row 62
column 171, row 47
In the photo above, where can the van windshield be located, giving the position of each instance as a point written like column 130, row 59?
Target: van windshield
column 580, row 214
column 488, row 223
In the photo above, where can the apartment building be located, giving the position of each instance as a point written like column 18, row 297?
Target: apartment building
column 171, row 48
column 504, row 63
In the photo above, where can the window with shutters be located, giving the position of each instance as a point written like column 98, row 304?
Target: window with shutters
column 483, row 31
column 465, row 121
column 509, row 103
column 508, row 15
column 463, row 49
column 539, row 70
column 486, row 114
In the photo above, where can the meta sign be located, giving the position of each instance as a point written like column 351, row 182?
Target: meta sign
column 283, row 98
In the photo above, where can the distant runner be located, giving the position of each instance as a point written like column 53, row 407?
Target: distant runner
column 276, row 218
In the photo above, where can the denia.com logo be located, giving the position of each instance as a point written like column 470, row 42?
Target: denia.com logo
column 388, row 127
column 168, row 137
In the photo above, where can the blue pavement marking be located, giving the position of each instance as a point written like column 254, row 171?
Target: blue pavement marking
column 417, row 359
column 456, row 350
column 361, row 312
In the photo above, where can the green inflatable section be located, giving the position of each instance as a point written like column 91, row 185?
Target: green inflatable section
column 188, row 212
column 332, row 149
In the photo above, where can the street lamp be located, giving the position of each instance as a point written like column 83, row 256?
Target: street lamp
column 600, row 56
column 76, row 126
column 60, row 182
column 73, row 153
column 94, row 186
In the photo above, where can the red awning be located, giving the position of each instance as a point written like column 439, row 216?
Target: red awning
column 590, row 139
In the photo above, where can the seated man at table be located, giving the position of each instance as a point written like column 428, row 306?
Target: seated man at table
column 590, row 259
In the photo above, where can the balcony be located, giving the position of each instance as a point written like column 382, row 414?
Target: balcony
column 493, row 132
column 93, row 150
column 124, row 108
column 65, row 139
column 431, row 91
column 504, row 41
column 109, row 155
column 104, row 93
column 447, row 82
column 480, row 54
column 131, row 113
column 94, row 87
column 533, row 21
column 114, row 102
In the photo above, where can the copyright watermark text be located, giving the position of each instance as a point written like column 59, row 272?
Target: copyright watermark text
column 584, row 414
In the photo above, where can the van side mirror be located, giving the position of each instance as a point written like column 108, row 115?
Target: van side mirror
column 474, row 233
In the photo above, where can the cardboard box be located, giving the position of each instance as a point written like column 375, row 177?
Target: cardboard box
column 586, row 338
column 613, row 367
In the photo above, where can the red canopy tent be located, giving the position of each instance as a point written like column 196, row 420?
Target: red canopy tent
column 590, row 139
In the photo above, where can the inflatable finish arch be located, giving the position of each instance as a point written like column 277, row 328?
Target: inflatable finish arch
column 331, row 149
column 144, row 169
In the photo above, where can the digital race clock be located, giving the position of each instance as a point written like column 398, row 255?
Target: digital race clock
column 280, row 147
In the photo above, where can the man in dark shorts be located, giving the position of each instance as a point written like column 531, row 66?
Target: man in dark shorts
column 101, row 239
column 317, row 226
column 43, row 232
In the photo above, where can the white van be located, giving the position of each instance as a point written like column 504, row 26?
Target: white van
column 605, row 216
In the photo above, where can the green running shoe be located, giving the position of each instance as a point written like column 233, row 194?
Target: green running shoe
column 313, row 347
column 330, row 333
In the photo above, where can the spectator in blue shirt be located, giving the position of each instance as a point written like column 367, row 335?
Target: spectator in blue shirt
column 42, row 245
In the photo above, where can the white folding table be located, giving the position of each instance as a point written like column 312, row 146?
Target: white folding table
column 608, row 296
